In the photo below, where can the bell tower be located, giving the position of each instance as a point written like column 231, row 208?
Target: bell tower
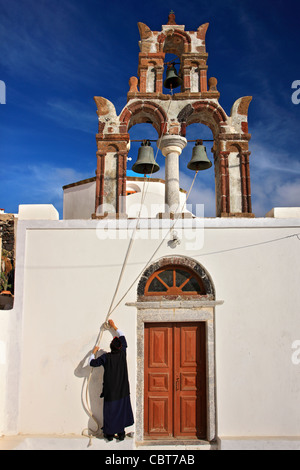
column 170, row 113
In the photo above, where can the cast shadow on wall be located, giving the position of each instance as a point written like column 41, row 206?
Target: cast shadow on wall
column 90, row 395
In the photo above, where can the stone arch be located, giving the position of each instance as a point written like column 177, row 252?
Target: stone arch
column 211, row 114
column 175, row 42
column 144, row 112
column 178, row 261
column 234, row 147
column 112, row 148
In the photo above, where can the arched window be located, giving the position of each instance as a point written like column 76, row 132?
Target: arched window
column 174, row 278
column 174, row 281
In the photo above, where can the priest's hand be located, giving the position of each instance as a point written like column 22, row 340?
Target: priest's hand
column 112, row 324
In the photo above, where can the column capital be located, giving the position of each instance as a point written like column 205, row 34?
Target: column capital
column 100, row 154
column 171, row 143
column 245, row 153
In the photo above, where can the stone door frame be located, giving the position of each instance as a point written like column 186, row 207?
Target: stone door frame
column 177, row 311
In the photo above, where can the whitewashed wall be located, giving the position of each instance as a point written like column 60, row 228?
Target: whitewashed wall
column 66, row 276
column 79, row 199
column 4, row 333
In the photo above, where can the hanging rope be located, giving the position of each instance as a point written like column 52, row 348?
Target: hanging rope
column 157, row 249
column 132, row 238
column 105, row 326
column 86, row 432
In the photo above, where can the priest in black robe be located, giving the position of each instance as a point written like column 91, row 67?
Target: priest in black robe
column 117, row 410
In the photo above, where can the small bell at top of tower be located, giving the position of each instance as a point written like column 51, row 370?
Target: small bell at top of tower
column 172, row 79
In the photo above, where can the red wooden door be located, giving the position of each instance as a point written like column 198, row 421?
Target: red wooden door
column 175, row 381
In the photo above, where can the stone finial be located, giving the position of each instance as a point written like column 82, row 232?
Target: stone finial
column 145, row 31
column 133, row 82
column 171, row 19
column 240, row 107
column 102, row 106
column 212, row 83
column 202, row 30
column 105, row 107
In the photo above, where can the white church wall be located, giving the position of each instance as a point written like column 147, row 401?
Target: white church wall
column 4, row 334
column 70, row 271
column 79, row 200
column 258, row 383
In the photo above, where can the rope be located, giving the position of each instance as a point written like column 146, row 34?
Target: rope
column 86, row 432
column 157, row 249
column 132, row 238
column 267, row 242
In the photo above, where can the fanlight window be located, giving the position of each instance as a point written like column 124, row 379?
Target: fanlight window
column 174, row 281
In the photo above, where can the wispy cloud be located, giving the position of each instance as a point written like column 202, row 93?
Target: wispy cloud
column 268, row 159
column 37, row 184
column 73, row 114
column 275, row 179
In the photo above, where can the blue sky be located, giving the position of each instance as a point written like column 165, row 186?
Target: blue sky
column 56, row 55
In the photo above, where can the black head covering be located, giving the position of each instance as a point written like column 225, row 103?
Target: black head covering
column 116, row 344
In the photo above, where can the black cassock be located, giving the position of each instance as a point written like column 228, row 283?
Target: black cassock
column 117, row 411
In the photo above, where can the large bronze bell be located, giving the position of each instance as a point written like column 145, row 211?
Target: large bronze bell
column 145, row 163
column 172, row 80
column 199, row 160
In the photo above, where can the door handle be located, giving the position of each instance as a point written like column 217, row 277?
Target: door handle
column 177, row 384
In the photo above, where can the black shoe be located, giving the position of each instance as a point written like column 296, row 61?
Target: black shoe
column 121, row 436
column 109, row 437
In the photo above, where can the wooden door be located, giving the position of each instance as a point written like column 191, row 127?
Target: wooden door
column 175, row 381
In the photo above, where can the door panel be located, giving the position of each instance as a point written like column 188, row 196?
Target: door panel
column 158, row 416
column 158, row 380
column 188, row 414
column 189, row 345
column 188, row 381
column 160, row 352
column 175, row 380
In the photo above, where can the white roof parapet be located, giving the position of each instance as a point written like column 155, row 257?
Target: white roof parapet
column 38, row 212
column 284, row 213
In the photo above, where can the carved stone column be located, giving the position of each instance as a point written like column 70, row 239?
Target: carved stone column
column 121, row 186
column 111, row 175
column 222, row 184
column 100, row 180
column 246, row 185
column 171, row 147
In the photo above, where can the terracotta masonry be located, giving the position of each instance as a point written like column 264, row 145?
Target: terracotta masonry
column 171, row 114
